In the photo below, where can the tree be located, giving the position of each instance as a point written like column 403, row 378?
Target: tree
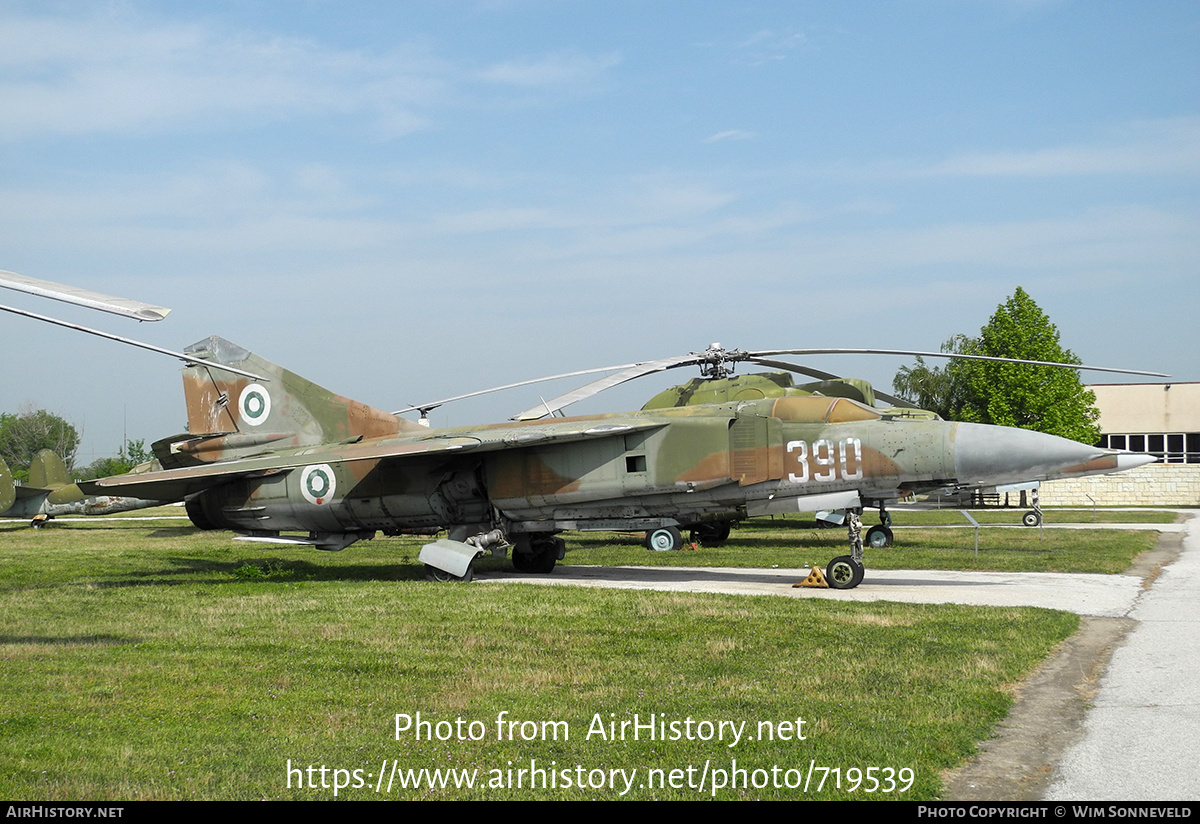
column 1044, row 398
column 30, row 431
column 132, row 454
column 931, row 387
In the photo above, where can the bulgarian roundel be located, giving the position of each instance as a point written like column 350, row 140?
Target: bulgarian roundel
column 254, row 404
column 317, row 484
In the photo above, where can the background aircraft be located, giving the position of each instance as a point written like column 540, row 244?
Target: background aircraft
column 51, row 493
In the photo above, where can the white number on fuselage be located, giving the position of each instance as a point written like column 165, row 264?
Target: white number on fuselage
column 826, row 458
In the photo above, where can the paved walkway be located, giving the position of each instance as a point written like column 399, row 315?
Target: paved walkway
column 1143, row 732
column 1107, row 596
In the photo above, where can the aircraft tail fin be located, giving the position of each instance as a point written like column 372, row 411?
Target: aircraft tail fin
column 8, row 488
column 229, row 412
column 48, row 471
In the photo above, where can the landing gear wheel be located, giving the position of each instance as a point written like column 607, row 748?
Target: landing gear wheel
column 879, row 537
column 1031, row 518
column 441, row 576
column 711, row 534
column 844, row 572
column 664, row 539
column 542, row 558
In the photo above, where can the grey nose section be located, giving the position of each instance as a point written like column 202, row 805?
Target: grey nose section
column 992, row 455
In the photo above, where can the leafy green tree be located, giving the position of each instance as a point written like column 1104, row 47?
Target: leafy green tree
column 136, row 452
column 103, row 468
column 1044, row 398
column 132, row 454
column 31, row 430
column 934, row 388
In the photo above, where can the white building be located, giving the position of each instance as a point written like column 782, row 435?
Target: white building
column 1162, row 419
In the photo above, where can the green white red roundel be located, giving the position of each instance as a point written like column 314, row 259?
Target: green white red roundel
column 317, row 484
column 254, row 404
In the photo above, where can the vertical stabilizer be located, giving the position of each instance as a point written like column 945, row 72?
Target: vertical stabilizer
column 47, row 471
column 281, row 408
column 8, row 488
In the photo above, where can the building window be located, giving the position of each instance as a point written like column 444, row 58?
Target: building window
column 1172, row 447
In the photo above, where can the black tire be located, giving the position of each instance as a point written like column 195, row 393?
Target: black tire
column 1032, row 518
column 542, row 558
column 711, row 534
column 844, row 572
column 441, row 576
column 826, row 525
column 664, row 539
column 878, row 537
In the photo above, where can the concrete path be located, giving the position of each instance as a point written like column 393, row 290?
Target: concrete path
column 1142, row 735
column 1100, row 595
column 1107, row 596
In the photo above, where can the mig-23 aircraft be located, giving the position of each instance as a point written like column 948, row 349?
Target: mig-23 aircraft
column 268, row 453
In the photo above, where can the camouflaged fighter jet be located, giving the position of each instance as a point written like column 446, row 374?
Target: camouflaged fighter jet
column 267, row 453
column 51, row 493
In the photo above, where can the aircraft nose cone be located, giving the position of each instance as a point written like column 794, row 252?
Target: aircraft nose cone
column 1132, row 460
column 989, row 455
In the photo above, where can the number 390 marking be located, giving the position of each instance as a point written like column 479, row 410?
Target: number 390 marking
column 825, row 459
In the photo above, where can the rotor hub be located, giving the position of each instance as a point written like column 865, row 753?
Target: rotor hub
column 717, row 362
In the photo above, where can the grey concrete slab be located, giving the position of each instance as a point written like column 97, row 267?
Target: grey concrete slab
column 1100, row 595
column 1142, row 737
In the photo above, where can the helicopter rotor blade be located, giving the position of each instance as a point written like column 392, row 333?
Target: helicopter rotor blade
column 427, row 407
column 829, row 376
column 807, row 371
column 628, row 373
column 183, row 356
column 125, row 307
column 717, row 362
column 953, row 355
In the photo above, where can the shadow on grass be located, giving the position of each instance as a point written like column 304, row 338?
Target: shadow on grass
column 70, row 640
column 207, row 571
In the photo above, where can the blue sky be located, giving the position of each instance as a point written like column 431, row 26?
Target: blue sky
column 408, row 200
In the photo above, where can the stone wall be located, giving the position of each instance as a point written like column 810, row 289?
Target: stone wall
column 1153, row 485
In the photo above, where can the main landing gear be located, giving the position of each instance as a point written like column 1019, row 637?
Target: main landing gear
column 670, row 538
column 664, row 539
column 543, row 553
column 441, row 576
column 880, row 537
column 711, row 533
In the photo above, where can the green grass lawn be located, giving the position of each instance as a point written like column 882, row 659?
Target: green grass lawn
column 158, row 662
